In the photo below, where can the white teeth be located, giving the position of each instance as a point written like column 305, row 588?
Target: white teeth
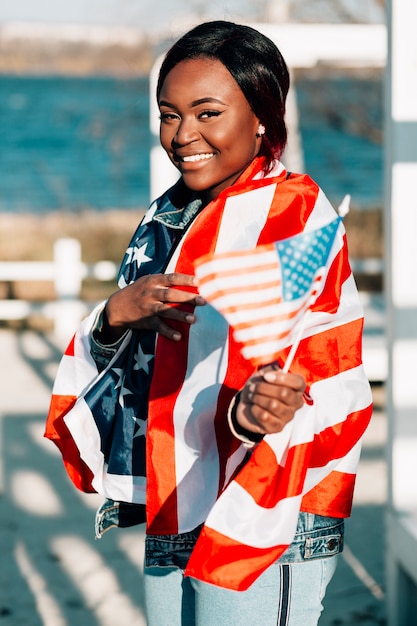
column 197, row 157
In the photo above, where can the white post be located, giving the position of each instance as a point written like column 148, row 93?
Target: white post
column 401, row 295
column 68, row 282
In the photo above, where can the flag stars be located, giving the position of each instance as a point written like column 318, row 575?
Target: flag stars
column 124, row 391
column 142, row 360
column 138, row 255
column 141, row 427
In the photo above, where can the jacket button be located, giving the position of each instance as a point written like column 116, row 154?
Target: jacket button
column 332, row 544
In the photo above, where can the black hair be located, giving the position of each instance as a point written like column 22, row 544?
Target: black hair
column 255, row 63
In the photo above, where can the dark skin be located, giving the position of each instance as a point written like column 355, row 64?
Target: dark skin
column 203, row 110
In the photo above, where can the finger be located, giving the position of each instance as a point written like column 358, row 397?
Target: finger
column 174, row 296
column 286, row 379
column 174, row 313
column 278, row 405
column 260, row 420
column 176, row 279
column 156, row 324
column 283, row 393
column 269, row 423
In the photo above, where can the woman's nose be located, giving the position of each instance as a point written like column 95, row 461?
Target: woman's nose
column 186, row 132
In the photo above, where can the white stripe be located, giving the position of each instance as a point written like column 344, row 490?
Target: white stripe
column 250, row 297
column 268, row 329
column 196, row 472
column 237, row 516
column 322, row 214
column 242, row 279
column 244, row 217
column 347, row 465
column 84, row 432
column 76, row 371
column 262, row 350
column 67, row 383
column 86, row 436
column 350, row 462
column 123, row 488
column 230, row 263
column 276, row 171
column 196, row 456
column 76, row 374
column 330, row 406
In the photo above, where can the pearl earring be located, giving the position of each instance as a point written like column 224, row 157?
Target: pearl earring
column 261, row 130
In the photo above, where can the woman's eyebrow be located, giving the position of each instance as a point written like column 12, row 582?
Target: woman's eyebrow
column 206, row 100
column 165, row 103
column 194, row 103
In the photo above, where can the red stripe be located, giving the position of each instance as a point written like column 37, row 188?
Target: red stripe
column 226, row 443
column 161, row 505
column 326, row 354
column 290, row 209
column 338, row 273
column 274, row 482
column 226, row 271
column 70, row 351
column 248, row 343
column 237, row 254
column 251, row 306
column 281, row 321
column 241, row 289
column 222, row 561
column 57, row 431
column 336, row 441
column 332, row 497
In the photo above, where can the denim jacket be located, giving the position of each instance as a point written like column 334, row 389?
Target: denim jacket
column 316, row 536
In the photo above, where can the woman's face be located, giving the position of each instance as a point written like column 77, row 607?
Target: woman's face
column 207, row 126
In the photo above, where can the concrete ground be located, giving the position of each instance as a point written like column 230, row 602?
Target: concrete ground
column 52, row 570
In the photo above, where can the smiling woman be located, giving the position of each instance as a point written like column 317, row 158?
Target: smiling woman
column 203, row 110
column 246, row 472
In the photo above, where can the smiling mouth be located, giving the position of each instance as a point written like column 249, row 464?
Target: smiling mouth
column 194, row 158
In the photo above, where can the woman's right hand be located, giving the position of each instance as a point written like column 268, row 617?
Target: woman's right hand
column 149, row 303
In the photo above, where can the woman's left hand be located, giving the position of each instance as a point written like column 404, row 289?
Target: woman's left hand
column 269, row 400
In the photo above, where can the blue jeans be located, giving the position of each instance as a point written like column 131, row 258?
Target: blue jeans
column 289, row 593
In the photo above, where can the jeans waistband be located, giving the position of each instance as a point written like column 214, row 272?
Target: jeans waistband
column 316, row 537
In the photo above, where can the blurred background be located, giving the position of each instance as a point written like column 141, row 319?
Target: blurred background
column 75, row 106
column 75, row 165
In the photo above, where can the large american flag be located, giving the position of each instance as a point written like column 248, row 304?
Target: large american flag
column 193, row 462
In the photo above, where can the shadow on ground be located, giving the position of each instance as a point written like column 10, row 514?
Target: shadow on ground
column 52, row 570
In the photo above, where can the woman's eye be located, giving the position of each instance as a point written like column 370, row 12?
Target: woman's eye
column 165, row 117
column 206, row 114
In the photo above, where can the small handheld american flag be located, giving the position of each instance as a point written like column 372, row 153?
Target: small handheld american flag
column 264, row 293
